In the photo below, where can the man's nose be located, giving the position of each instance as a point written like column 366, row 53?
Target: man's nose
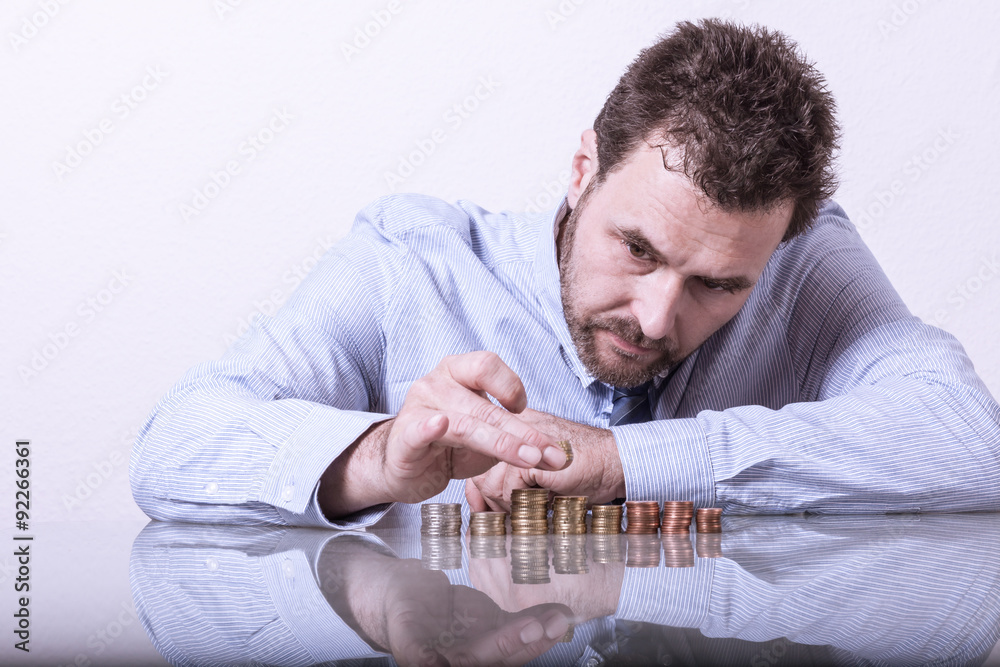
column 657, row 304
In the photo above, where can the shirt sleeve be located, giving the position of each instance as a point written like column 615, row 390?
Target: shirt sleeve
column 245, row 439
column 888, row 415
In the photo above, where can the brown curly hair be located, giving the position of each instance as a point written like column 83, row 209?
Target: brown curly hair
column 751, row 120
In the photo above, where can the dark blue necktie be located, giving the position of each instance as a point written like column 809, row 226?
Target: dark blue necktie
column 631, row 406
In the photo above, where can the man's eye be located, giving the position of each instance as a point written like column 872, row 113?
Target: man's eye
column 636, row 251
column 715, row 287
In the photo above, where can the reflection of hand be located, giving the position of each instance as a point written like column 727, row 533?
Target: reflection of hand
column 596, row 470
column 422, row 619
column 589, row 595
column 446, row 429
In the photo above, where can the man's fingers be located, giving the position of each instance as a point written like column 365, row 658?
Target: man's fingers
column 486, row 371
column 475, row 499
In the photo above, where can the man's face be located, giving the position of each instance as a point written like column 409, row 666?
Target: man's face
column 649, row 270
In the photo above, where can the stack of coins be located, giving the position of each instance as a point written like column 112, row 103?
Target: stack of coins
column 529, row 559
column 677, row 551
column 529, row 511
column 441, row 553
column 569, row 515
column 488, row 546
column 677, row 515
column 607, row 548
column 643, row 550
column 569, row 554
column 606, row 519
column 643, row 516
column 709, row 520
column 441, row 519
column 709, row 545
column 488, row 523
column 567, row 450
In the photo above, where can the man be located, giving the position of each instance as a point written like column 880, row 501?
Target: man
column 695, row 319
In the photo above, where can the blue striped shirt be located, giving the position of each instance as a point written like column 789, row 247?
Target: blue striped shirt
column 822, row 394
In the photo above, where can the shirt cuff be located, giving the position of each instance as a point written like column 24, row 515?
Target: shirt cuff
column 666, row 459
column 292, row 480
column 687, row 592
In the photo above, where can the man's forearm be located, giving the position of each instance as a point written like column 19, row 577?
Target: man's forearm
column 353, row 481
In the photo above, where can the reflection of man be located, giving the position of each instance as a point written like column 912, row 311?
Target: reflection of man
column 695, row 319
column 859, row 590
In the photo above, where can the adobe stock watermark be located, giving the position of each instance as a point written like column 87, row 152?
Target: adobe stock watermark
column 551, row 194
column 453, row 119
column 965, row 291
column 912, row 171
column 87, row 311
column 364, row 34
column 562, row 12
column 225, row 7
column 99, row 472
column 293, row 277
column 31, row 25
column 900, row 13
column 460, row 624
column 121, row 108
column 101, row 639
column 772, row 654
column 246, row 152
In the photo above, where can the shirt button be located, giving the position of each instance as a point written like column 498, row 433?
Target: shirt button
column 211, row 564
column 287, row 492
column 288, row 569
column 211, row 488
column 593, row 662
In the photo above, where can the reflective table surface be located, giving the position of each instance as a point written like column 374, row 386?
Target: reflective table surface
column 783, row 590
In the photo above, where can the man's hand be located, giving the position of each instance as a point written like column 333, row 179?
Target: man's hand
column 447, row 429
column 596, row 470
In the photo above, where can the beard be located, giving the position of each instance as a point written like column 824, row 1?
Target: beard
column 616, row 367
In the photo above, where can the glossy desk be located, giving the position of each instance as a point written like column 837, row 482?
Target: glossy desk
column 789, row 590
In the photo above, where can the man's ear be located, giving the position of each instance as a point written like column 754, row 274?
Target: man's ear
column 584, row 167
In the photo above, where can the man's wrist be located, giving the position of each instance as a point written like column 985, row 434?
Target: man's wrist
column 353, row 481
column 613, row 464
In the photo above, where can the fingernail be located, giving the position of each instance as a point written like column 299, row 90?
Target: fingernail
column 557, row 627
column 529, row 455
column 532, row 632
column 555, row 458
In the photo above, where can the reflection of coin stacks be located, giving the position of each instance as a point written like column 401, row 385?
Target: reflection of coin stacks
column 677, row 515
column 709, row 520
column 488, row 523
column 677, row 551
column 643, row 550
column 606, row 519
column 529, row 559
column 569, row 515
column 643, row 516
column 441, row 553
column 529, row 511
column 488, row 546
column 607, row 548
column 709, row 545
column 441, row 519
column 569, row 554
column 567, row 450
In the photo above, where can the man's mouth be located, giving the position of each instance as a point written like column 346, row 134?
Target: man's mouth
column 625, row 346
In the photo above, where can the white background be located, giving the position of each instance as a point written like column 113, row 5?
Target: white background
column 906, row 74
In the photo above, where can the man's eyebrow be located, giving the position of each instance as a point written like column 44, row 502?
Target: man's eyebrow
column 635, row 236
